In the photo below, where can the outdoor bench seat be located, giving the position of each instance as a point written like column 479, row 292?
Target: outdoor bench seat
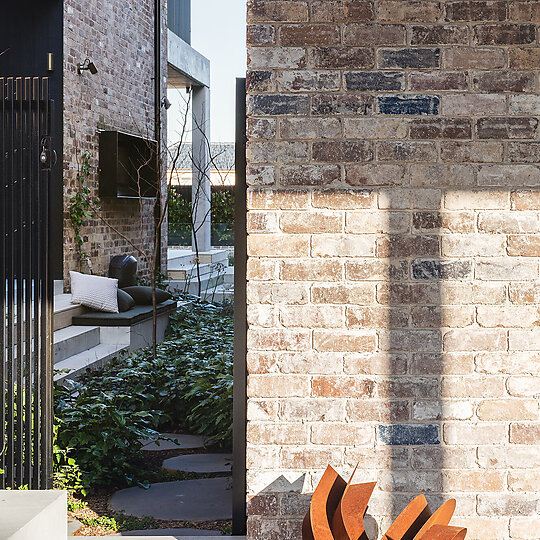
column 135, row 315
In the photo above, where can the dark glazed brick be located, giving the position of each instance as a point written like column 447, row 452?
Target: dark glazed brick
column 438, row 80
column 504, row 81
column 342, row 57
column 410, row 58
column 342, row 151
column 473, row 10
column 276, row 104
column 329, row 104
column 263, row 505
column 372, row 81
column 441, row 128
column 427, row 221
column 436, row 269
column 528, row 152
column 409, row 246
column 437, row 34
column 408, row 104
column 507, row 128
column 409, row 434
column 259, row 81
column 504, row 34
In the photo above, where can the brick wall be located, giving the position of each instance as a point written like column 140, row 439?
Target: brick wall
column 118, row 37
column 394, row 248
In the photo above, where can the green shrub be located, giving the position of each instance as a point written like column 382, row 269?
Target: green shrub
column 188, row 384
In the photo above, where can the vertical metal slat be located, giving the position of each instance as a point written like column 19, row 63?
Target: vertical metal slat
column 3, row 254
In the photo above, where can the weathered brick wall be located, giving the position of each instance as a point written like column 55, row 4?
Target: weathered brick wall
column 394, row 250
column 118, row 37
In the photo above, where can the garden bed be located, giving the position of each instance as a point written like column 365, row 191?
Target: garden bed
column 103, row 417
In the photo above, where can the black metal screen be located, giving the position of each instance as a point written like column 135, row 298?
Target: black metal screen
column 26, row 416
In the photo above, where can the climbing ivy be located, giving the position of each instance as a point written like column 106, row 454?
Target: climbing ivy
column 81, row 204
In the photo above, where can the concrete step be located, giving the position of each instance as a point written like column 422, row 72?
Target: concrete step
column 73, row 340
column 208, row 283
column 229, row 275
column 93, row 358
column 214, row 256
column 177, row 256
column 221, row 295
column 189, row 271
column 64, row 311
column 33, row 514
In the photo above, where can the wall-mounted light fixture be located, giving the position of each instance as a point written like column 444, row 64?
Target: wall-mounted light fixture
column 165, row 103
column 86, row 66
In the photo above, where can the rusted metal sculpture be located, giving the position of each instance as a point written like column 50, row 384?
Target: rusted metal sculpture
column 337, row 513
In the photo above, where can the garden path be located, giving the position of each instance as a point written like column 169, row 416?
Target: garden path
column 200, row 500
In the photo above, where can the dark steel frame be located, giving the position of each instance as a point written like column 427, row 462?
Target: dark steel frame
column 26, row 357
column 240, row 318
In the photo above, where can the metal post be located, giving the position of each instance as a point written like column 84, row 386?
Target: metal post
column 240, row 318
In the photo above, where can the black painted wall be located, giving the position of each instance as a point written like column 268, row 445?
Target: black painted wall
column 29, row 30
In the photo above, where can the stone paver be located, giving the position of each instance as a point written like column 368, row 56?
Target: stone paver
column 190, row 500
column 170, row 532
column 179, row 442
column 199, row 463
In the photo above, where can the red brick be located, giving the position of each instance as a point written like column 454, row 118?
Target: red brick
column 524, row 245
column 438, row 80
column 342, row 11
column 408, row 11
column 282, row 10
column 439, row 35
column 341, row 57
column 524, row 433
column 305, row 35
column 474, row 10
column 374, row 34
column 504, row 81
column 342, row 387
column 505, row 34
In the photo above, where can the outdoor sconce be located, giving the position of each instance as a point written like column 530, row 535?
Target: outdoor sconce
column 166, row 103
column 86, row 66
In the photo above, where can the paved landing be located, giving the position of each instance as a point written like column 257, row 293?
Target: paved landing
column 179, row 442
column 199, row 463
column 170, row 532
column 190, row 500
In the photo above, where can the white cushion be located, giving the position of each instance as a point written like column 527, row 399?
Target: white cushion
column 99, row 293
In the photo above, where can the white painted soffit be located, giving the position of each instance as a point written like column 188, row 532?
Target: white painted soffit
column 189, row 63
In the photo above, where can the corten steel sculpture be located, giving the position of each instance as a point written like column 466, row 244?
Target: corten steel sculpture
column 337, row 513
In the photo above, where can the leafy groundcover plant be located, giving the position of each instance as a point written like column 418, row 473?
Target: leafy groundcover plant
column 102, row 417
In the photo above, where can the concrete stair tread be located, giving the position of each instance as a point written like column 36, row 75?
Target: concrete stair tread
column 91, row 358
column 72, row 331
column 208, row 499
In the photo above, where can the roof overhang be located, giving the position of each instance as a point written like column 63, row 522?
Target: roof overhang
column 186, row 66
